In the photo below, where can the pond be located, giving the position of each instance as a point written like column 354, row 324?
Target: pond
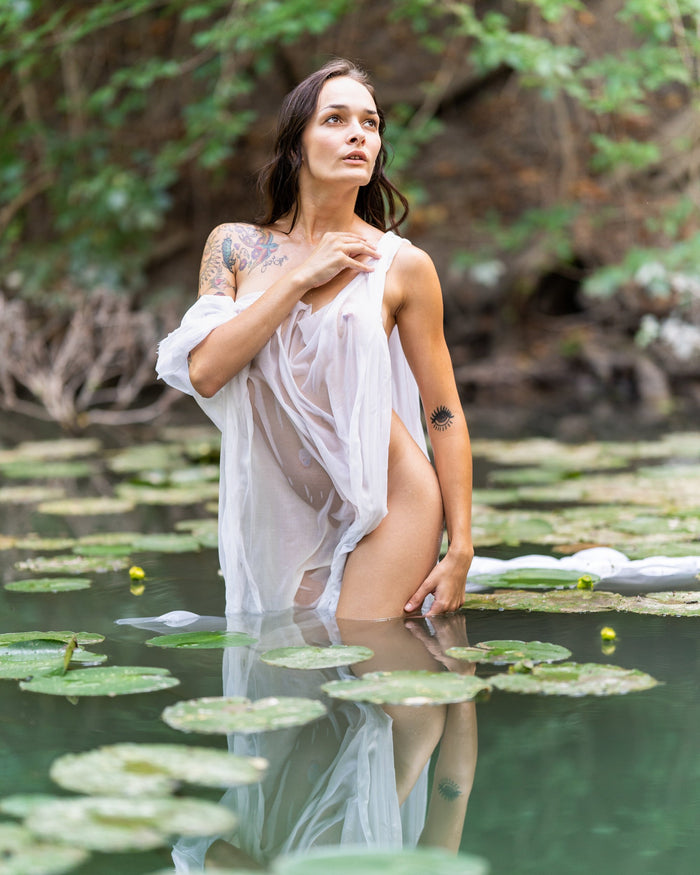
column 561, row 783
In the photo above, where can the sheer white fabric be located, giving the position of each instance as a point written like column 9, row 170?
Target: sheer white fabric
column 329, row 783
column 305, row 439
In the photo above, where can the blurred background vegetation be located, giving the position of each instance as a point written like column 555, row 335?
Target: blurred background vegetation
column 550, row 148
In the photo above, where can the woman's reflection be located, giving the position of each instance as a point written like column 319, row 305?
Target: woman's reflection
column 358, row 776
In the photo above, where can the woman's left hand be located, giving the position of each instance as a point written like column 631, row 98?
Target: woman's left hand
column 446, row 582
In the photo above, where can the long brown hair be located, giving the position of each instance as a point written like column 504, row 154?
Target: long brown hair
column 278, row 181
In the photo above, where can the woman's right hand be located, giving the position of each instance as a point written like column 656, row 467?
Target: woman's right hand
column 336, row 252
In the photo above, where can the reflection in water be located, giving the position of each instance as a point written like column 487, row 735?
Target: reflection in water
column 358, row 776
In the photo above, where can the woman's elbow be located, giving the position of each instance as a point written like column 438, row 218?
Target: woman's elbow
column 203, row 383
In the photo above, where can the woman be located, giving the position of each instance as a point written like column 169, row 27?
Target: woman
column 312, row 334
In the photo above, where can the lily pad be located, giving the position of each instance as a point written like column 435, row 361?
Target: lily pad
column 503, row 652
column 202, row 640
column 221, row 714
column 21, row 804
column 34, row 542
column 115, row 680
column 108, row 824
column 408, row 688
column 87, row 506
column 575, row 679
column 72, row 564
column 316, row 657
column 28, row 470
column 171, row 542
column 48, row 584
column 369, row 861
column 21, row 854
column 27, row 658
column 153, row 769
column 667, row 604
column 81, row 637
column 30, row 494
column 133, row 460
column 574, row 601
column 63, row 448
column 531, row 578
column 168, row 495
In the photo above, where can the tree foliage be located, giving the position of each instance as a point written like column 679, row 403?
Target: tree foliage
column 111, row 107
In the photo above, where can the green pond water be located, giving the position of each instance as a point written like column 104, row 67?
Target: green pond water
column 561, row 785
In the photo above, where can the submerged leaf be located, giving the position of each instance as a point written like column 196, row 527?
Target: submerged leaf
column 115, row 680
column 202, row 640
column 153, row 769
column 109, row 824
column 503, row 652
column 316, row 657
column 575, row 679
column 221, row 714
column 408, row 688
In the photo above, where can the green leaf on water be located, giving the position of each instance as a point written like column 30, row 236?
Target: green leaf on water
column 115, row 680
column 574, row 601
column 72, row 564
column 21, row 854
column 19, row 805
column 408, row 688
column 153, row 769
column 666, row 604
column 33, row 542
column 30, row 494
column 575, row 679
column 531, row 578
column 316, row 657
column 28, row 658
column 221, row 714
column 87, row 506
column 202, row 640
column 55, row 448
column 81, row 637
column 195, row 493
column 48, row 584
column 28, row 470
column 503, row 652
column 370, row 861
column 170, row 542
column 111, row 824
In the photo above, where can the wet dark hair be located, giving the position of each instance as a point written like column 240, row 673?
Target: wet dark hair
column 278, row 181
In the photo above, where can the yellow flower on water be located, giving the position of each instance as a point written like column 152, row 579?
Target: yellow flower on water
column 136, row 573
column 585, row 582
column 607, row 633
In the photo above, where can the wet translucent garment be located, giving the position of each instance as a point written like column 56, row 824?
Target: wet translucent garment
column 305, row 439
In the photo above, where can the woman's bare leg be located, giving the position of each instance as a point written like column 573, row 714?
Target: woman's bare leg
column 390, row 563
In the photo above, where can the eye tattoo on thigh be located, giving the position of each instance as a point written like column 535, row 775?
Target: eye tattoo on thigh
column 441, row 418
column 449, row 790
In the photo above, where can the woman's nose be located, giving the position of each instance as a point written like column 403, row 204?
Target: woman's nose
column 356, row 134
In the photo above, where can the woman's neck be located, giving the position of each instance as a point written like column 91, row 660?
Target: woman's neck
column 318, row 215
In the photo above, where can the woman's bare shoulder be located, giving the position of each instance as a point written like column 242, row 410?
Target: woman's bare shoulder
column 413, row 267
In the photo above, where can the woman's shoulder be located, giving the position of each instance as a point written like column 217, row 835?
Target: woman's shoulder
column 413, row 262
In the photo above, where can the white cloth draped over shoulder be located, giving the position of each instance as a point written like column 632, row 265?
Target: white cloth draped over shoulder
column 305, row 439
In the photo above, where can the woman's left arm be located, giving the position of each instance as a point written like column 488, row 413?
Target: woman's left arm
column 419, row 318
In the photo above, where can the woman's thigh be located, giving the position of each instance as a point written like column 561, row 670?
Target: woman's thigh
column 390, row 563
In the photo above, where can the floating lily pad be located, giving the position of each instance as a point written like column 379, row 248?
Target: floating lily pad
column 316, row 657
column 574, row 601
column 369, row 861
column 531, row 578
column 666, row 604
column 81, row 637
column 28, row 470
column 21, row 804
column 168, row 495
column 7, row 542
column 21, row 854
column 133, row 460
column 63, row 448
column 48, row 584
column 109, row 538
column 575, row 679
column 72, row 564
column 502, row 652
column 87, row 506
column 221, row 714
column 103, row 549
column 170, row 542
column 27, row 658
column 29, row 494
column 202, row 640
column 115, row 680
column 153, row 769
column 110, row 824
column 34, row 542
column 408, row 688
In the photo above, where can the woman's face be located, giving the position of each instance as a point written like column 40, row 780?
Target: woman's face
column 341, row 140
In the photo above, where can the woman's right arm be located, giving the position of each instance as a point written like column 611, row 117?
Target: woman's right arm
column 231, row 346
